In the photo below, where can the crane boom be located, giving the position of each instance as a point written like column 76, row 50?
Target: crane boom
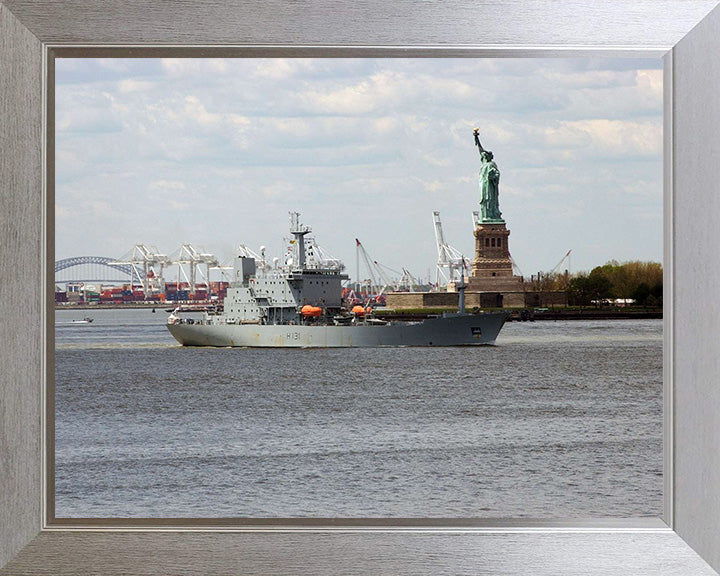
column 557, row 267
column 448, row 257
column 141, row 260
column 439, row 238
column 374, row 285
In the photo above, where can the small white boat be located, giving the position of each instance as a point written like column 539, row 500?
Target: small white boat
column 86, row 320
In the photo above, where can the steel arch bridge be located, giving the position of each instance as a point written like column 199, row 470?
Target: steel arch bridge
column 102, row 261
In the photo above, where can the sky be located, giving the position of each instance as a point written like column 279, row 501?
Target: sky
column 216, row 152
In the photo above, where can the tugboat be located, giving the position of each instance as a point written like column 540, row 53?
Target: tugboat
column 299, row 305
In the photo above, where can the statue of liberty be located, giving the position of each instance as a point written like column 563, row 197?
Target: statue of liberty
column 489, row 180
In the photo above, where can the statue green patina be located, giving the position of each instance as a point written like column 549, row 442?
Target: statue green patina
column 489, row 181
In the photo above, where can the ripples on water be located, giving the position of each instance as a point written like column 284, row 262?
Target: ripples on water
column 560, row 419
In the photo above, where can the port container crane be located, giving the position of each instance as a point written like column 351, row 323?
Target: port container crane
column 401, row 280
column 448, row 257
column 141, row 260
column 188, row 255
column 374, row 286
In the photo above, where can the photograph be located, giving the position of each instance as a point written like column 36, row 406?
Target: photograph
column 358, row 288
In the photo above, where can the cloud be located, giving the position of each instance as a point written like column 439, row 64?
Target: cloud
column 609, row 137
column 178, row 206
column 278, row 190
column 101, row 209
column 114, row 64
column 437, row 161
column 358, row 99
column 69, row 162
column 382, row 91
column 168, row 185
column 433, row 186
column 643, row 189
column 650, row 84
column 239, row 121
column 385, row 125
column 133, row 85
column 222, row 142
column 280, row 68
column 590, row 79
column 92, row 113
column 196, row 111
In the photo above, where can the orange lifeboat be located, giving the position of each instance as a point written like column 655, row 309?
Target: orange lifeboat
column 359, row 310
column 311, row 311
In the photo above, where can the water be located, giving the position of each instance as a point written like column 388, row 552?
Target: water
column 560, row 419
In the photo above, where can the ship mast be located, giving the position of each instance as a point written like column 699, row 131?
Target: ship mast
column 299, row 231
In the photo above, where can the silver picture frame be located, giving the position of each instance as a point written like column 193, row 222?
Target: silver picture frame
column 684, row 32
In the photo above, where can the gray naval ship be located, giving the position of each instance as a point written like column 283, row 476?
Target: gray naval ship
column 299, row 305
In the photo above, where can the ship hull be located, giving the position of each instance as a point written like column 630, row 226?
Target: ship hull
column 449, row 330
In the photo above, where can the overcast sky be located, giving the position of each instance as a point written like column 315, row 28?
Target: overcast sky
column 217, row 152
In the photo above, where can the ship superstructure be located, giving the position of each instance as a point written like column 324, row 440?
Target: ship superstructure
column 264, row 294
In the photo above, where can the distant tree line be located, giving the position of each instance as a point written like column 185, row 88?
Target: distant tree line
column 638, row 281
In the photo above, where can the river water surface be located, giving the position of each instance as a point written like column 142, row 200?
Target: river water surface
column 559, row 419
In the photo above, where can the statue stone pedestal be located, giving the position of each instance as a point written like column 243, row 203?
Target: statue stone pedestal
column 492, row 254
column 492, row 269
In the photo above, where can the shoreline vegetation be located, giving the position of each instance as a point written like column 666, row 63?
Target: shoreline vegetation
column 635, row 282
